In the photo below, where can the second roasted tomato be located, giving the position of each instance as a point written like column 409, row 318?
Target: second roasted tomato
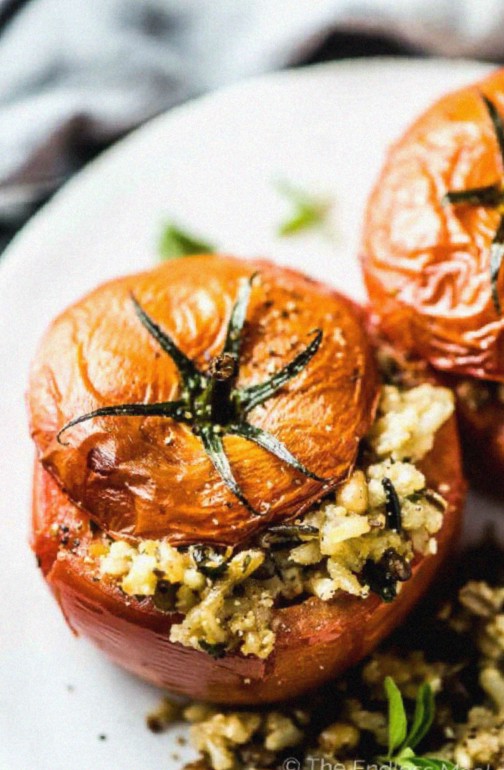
column 434, row 234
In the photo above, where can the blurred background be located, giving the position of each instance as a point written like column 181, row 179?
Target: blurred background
column 76, row 75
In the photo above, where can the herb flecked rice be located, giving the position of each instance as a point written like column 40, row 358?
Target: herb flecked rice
column 454, row 647
column 358, row 540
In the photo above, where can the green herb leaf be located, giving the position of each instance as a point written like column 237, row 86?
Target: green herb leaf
column 423, row 716
column 496, row 257
column 490, row 195
column 250, row 397
column 273, row 445
column 209, row 561
column 397, row 722
column 496, row 122
column 404, row 760
column 308, row 211
column 214, row 448
column 288, row 534
column 214, row 650
column 400, row 746
column 175, row 242
column 376, row 576
column 173, row 409
column 237, row 320
column 392, row 506
column 190, row 375
column 426, row 763
column 165, row 596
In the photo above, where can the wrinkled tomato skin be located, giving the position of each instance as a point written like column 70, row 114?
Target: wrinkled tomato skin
column 315, row 640
column 427, row 265
column 141, row 477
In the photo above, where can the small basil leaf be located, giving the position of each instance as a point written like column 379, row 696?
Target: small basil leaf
column 175, row 242
column 428, row 763
column 397, row 722
column 405, row 763
column 308, row 211
column 403, row 760
column 423, row 716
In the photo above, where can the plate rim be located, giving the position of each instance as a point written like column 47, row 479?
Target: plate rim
column 71, row 188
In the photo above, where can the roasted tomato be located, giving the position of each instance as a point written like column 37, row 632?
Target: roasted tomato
column 316, row 640
column 201, row 408
column 434, row 234
column 162, row 402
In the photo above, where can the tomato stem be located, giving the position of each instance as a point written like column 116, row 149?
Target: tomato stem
column 209, row 403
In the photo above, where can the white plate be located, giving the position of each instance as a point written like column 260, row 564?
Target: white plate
column 213, row 165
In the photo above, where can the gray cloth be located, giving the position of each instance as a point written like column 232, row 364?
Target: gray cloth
column 76, row 74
